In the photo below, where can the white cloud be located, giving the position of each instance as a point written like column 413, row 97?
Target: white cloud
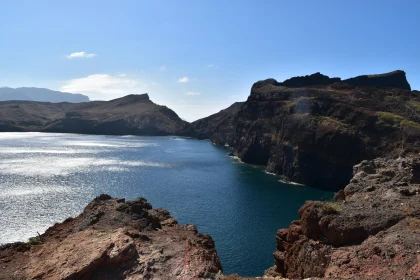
column 183, row 80
column 80, row 55
column 210, row 65
column 163, row 68
column 192, row 93
column 104, row 86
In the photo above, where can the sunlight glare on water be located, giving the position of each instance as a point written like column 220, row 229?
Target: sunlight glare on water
column 46, row 178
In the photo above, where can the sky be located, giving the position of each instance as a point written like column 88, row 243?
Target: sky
column 199, row 56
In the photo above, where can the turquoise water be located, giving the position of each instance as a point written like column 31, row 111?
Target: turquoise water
column 45, row 178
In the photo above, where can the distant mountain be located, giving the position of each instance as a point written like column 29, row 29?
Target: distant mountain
column 132, row 114
column 40, row 94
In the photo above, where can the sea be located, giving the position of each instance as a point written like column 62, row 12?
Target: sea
column 48, row 177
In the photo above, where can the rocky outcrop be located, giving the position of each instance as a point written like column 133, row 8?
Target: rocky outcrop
column 314, row 130
column 218, row 126
column 114, row 239
column 309, row 80
column 395, row 79
column 371, row 231
column 132, row 114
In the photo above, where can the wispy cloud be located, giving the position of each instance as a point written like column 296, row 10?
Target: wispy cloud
column 163, row 68
column 80, row 55
column 210, row 65
column 104, row 86
column 183, row 80
column 191, row 93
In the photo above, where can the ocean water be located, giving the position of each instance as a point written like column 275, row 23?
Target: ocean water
column 45, row 178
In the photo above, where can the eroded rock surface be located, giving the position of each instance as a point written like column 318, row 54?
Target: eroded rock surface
column 371, row 231
column 114, row 239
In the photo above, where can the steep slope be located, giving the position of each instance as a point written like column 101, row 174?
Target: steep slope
column 40, row 94
column 371, row 231
column 114, row 239
column 132, row 114
column 315, row 130
column 220, row 122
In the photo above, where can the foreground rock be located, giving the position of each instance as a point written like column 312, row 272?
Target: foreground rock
column 371, row 231
column 132, row 114
column 114, row 239
column 314, row 129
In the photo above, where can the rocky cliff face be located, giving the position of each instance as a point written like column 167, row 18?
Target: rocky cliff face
column 114, row 239
column 132, row 114
column 395, row 79
column 219, row 126
column 371, row 231
column 316, row 129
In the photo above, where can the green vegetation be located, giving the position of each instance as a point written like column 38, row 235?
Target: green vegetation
column 331, row 120
column 331, row 207
column 34, row 241
column 389, row 117
column 416, row 105
column 410, row 124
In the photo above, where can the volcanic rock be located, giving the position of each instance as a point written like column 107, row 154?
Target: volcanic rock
column 374, row 233
column 114, row 239
column 313, row 129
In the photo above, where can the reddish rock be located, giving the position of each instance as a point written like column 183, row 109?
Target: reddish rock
column 374, row 233
column 114, row 239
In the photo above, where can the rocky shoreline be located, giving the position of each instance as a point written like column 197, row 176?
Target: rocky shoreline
column 359, row 137
column 370, row 231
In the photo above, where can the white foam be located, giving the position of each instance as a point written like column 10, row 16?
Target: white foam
column 291, row 183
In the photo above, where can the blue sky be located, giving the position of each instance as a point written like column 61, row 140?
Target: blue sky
column 198, row 56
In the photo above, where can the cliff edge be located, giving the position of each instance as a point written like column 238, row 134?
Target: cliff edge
column 371, row 231
column 114, row 239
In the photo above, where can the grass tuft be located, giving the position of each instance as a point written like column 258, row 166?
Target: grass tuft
column 331, row 207
column 389, row 117
column 34, row 241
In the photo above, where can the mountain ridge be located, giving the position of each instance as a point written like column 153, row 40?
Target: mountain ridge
column 132, row 114
column 40, row 94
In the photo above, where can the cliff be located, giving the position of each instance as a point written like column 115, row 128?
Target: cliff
column 132, row 114
column 315, row 129
column 394, row 79
column 371, row 231
column 114, row 239
column 221, row 122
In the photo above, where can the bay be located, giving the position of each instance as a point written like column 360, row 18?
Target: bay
column 47, row 177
